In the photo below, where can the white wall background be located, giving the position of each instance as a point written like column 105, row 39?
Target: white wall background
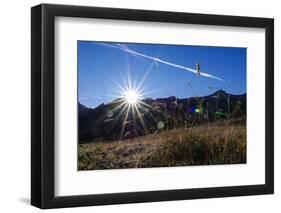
column 15, row 105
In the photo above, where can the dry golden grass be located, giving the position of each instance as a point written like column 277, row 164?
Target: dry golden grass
column 201, row 145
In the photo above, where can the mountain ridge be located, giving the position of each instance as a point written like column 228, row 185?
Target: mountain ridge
column 106, row 122
column 169, row 97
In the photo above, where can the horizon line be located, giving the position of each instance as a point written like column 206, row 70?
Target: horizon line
column 154, row 99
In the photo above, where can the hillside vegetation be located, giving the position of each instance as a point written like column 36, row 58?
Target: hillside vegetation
column 110, row 122
column 206, row 144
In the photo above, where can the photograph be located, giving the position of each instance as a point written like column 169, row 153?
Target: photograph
column 160, row 105
column 131, row 104
column 139, row 105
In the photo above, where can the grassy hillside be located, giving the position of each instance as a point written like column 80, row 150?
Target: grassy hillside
column 208, row 144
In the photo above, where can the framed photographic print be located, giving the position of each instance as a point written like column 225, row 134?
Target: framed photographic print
column 138, row 106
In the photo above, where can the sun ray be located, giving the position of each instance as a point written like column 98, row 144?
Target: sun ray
column 124, row 122
column 120, row 86
column 141, row 119
column 145, row 104
column 149, row 69
column 119, row 106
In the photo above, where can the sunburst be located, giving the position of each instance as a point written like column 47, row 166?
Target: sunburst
column 130, row 100
column 132, row 97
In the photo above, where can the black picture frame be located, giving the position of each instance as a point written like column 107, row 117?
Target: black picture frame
column 43, row 117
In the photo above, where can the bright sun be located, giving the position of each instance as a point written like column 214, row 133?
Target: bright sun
column 132, row 96
column 130, row 102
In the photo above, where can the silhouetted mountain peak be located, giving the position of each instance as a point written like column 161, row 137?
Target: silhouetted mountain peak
column 81, row 106
column 220, row 92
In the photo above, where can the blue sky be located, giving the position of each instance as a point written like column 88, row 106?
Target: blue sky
column 102, row 64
